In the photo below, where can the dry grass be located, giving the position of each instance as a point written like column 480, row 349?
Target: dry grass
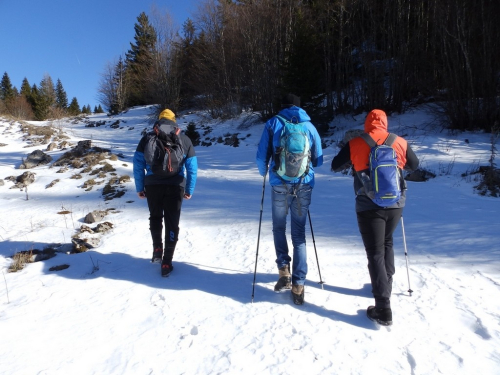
column 47, row 131
column 19, row 260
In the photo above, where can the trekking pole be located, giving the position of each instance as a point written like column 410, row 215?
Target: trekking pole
column 258, row 236
column 314, row 243
column 406, row 256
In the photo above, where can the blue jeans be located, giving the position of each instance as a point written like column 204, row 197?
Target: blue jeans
column 285, row 199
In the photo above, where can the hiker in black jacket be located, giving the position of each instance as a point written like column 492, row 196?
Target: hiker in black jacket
column 376, row 224
column 165, row 194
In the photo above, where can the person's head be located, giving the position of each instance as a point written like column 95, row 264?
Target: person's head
column 376, row 119
column 166, row 122
column 290, row 100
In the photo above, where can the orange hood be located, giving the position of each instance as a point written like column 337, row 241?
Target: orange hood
column 376, row 126
column 376, row 121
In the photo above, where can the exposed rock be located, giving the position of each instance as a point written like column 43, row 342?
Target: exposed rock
column 350, row 134
column 52, row 184
column 84, row 145
column 27, row 178
column 85, row 228
column 420, row 175
column 104, row 227
column 39, row 255
column 52, row 146
column 81, row 245
column 35, row 159
column 64, row 144
column 94, row 216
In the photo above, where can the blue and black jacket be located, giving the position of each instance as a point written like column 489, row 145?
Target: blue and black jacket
column 270, row 140
column 186, row 178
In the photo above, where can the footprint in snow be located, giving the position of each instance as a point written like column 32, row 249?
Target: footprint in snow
column 158, row 300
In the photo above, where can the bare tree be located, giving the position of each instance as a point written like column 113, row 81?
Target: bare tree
column 19, row 108
column 165, row 76
column 106, row 92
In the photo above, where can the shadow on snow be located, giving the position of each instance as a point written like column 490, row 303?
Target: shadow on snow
column 233, row 284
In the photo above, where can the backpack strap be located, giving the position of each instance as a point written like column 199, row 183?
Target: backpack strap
column 391, row 138
column 368, row 139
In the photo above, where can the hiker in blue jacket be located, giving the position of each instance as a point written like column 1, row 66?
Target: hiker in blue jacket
column 165, row 194
column 290, row 194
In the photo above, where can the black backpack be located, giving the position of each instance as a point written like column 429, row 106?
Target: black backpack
column 163, row 151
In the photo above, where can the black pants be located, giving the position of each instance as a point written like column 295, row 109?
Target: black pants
column 164, row 202
column 376, row 228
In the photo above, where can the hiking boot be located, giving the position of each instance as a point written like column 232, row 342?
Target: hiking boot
column 285, row 280
column 157, row 255
column 166, row 269
column 382, row 316
column 298, row 294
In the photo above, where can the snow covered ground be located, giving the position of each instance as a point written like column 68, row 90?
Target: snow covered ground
column 111, row 312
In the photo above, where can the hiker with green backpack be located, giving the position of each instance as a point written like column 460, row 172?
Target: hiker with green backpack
column 378, row 158
column 290, row 149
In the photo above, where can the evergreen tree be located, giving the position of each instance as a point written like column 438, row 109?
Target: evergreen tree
column 33, row 98
column 190, row 85
column 74, row 107
column 6, row 90
column 61, row 97
column 26, row 89
column 303, row 73
column 46, row 98
column 139, row 61
column 99, row 109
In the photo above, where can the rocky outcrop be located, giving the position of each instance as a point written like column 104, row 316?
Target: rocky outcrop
column 35, row 159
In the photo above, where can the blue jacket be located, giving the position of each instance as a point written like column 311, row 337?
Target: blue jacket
column 186, row 177
column 270, row 140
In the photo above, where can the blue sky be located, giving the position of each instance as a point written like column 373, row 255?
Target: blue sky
column 72, row 40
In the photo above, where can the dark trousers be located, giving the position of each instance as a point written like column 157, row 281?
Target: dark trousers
column 164, row 202
column 376, row 228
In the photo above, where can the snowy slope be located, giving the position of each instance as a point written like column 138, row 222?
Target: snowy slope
column 110, row 312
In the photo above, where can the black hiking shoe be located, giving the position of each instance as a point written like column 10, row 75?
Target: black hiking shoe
column 381, row 316
column 298, row 294
column 166, row 269
column 285, row 280
column 157, row 255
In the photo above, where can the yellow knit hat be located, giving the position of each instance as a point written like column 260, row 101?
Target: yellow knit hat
column 167, row 114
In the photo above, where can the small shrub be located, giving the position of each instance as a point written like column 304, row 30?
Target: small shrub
column 19, row 260
column 192, row 133
column 89, row 183
column 108, row 168
column 77, row 163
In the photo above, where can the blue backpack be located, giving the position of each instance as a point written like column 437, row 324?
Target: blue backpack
column 293, row 155
column 383, row 185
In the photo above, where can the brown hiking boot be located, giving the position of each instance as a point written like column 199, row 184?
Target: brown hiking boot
column 285, row 280
column 298, row 294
